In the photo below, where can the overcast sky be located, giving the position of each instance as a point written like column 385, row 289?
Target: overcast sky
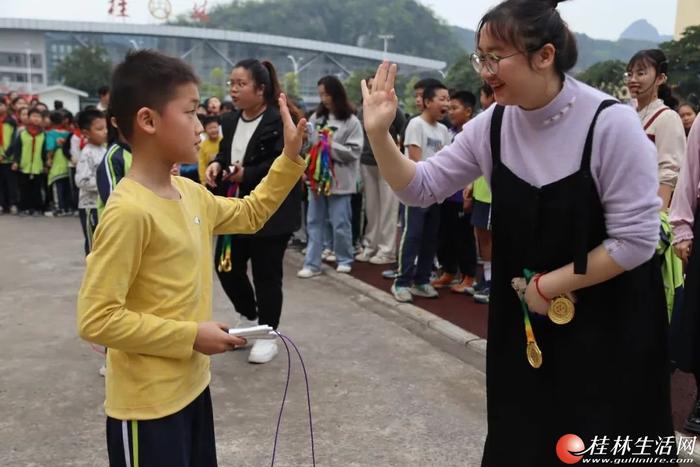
column 601, row 19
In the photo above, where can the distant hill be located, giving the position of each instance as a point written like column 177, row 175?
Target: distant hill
column 643, row 30
column 591, row 50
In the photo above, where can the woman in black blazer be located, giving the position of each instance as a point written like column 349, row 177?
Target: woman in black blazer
column 252, row 139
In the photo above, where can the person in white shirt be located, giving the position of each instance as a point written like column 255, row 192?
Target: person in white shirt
column 646, row 79
column 93, row 124
column 425, row 136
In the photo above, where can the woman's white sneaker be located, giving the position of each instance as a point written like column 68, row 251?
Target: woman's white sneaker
column 263, row 351
column 307, row 273
column 344, row 268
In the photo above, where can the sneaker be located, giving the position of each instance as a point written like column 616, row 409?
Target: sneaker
column 307, row 273
column 364, row 256
column 325, row 254
column 103, row 370
column 445, row 280
column 13, row 210
column 476, row 287
column 424, row 290
column 344, row 268
column 49, row 214
column 381, row 260
column 482, row 296
column 462, row 287
column 330, row 258
column 401, row 294
column 390, row 274
column 263, row 351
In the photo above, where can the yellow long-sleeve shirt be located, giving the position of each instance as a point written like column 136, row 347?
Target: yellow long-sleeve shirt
column 148, row 282
column 208, row 150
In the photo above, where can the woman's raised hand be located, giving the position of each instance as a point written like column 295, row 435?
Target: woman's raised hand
column 379, row 103
column 293, row 134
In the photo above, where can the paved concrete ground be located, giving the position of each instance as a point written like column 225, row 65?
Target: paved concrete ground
column 385, row 391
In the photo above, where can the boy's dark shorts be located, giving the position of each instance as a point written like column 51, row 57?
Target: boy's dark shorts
column 481, row 215
column 185, row 438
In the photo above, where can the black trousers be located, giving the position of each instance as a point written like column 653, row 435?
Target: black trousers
column 263, row 298
column 29, row 192
column 62, row 196
column 88, row 221
column 8, row 187
column 456, row 246
column 183, row 439
column 358, row 218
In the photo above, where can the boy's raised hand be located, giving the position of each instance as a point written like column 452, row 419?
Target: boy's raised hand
column 293, row 134
column 379, row 103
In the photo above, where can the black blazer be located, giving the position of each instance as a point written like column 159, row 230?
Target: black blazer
column 264, row 147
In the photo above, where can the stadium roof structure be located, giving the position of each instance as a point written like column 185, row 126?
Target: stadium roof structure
column 218, row 35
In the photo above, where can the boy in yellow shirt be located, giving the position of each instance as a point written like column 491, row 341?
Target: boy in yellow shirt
column 210, row 146
column 146, row 292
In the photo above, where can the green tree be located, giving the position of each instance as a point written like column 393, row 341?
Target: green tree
column 684, row 63
column 352, row 84
column 462, row 76
column 216, row 86
column 416, row 29
column 290, row 84
column 85, row 68
column 409, row 96
column 606, row 76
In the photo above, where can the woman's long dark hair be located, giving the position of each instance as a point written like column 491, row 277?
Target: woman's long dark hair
column 342, row 108
column 263, row 74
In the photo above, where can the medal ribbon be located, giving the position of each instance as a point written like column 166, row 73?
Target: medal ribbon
column 526, row 312
column 225, row 258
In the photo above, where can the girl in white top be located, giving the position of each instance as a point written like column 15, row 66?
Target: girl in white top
column 646, row 79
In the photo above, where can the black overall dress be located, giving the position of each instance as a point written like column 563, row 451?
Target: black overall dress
column 604, row 374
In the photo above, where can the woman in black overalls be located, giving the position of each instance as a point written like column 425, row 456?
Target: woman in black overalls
column 606, row 373
column 582, row 387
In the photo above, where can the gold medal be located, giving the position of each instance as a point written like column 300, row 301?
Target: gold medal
column 561, row 310
column 534, row 354
column 225, row 265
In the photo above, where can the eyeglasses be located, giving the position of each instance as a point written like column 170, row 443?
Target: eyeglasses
column 489, row 61
column 629, row 75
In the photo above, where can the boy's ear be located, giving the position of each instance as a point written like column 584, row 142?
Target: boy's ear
column 146, row 120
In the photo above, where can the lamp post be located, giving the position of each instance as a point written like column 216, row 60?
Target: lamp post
column 29, row 69
column 295, row 64
column 386, row 38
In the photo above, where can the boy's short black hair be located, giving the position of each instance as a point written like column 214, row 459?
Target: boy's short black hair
column 465, row 97
column 34, row 110
column 426, row 83
column 207, row 119
column 145, row 78
column 88, row 116
column 102, row 90
column 486, row 89
column 227, row 106
column 56, row 117
column 430, row 91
